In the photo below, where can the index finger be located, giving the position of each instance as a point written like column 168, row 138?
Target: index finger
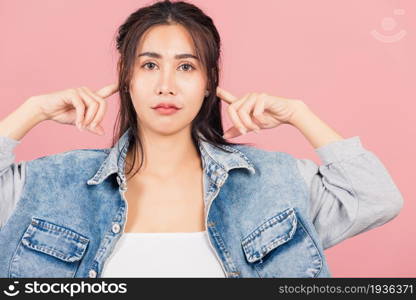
column 107, row 90
column 226, row 96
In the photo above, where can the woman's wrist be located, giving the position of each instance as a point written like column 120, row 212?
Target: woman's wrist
column 315, row 130
column 21, row 121
column 33, row 105
column 299, row 108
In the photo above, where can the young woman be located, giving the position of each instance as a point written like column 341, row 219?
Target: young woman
column 197, row 205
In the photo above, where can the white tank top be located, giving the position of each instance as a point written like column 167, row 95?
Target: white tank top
column 163, row 254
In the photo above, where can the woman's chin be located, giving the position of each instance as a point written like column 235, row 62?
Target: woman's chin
column 166, row 128
column 165, row 132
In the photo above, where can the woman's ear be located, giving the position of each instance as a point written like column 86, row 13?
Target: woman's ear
column 206, row 93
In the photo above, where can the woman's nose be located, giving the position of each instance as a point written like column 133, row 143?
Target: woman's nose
column 167, row 82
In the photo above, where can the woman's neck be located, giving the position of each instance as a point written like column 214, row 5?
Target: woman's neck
column 166, row 155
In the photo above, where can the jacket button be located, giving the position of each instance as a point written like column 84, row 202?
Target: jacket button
column 124, row 186
column 116, row 228
column 92, row 274
column 210, row 224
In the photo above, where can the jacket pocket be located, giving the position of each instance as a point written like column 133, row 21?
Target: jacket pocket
column 48, row 250
column 281, row 247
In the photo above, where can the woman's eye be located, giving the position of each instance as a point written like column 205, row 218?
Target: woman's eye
column 189, row 65
column 149, row 63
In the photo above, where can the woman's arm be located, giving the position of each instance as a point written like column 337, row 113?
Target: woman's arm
column 350, row 192
column 12, row 175
column 68, row 107
column 21, row 121
column 12, row 178
column 316, row 131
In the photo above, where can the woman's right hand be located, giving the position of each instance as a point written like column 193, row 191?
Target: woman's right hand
column 78, row 106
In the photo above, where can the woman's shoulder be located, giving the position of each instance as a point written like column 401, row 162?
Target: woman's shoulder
column 263, row 157
column 251, row 150
column 72, row 157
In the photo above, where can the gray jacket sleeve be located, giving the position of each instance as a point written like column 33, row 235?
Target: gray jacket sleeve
column 350, row 193
column 11, row 178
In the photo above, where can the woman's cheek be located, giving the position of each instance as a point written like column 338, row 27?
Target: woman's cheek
column 143, row 112
column 193, row 110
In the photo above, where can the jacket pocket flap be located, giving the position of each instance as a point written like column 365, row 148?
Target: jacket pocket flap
column 269, row 235
column 55, row 240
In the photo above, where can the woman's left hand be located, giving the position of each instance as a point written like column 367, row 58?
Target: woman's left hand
column 256, row 111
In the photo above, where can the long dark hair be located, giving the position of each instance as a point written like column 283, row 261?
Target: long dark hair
column 207, row 45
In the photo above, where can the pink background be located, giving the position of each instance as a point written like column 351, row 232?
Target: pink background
column 322, row 52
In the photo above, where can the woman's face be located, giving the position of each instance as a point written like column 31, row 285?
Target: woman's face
column 159, row 76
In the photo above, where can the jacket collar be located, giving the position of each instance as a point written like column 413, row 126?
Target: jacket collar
column 211, row 155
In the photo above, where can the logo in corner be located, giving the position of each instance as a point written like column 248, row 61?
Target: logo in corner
column 11, row 290
column 388, row 24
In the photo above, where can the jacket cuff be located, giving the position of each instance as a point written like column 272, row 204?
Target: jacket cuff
column 340, row 150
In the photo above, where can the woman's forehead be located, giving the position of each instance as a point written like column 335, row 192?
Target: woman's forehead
column 166, row 40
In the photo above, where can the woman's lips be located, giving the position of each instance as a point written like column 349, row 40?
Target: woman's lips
column 166, row 110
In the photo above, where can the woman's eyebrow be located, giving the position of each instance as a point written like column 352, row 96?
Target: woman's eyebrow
column 177, row 56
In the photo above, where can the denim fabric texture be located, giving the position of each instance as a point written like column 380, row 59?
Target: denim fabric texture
column 267, row 213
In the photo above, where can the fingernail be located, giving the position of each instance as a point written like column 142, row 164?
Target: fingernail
column 256, row 130
column 243, row 130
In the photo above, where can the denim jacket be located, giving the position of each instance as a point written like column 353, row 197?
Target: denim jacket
column 267, row 213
